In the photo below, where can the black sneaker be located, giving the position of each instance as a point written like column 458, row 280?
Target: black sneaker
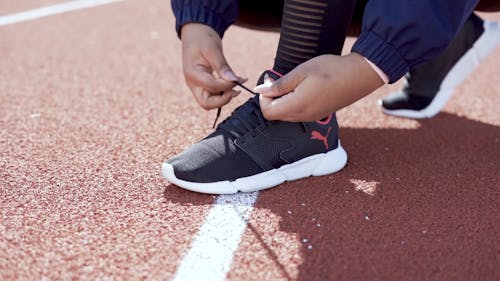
column 430, row 85
column 247, row 153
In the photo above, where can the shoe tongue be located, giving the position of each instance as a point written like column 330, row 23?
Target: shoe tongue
column 245, row 112
column 273, row 75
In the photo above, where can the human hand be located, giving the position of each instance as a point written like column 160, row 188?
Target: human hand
column 202, row 56
column 317, row 88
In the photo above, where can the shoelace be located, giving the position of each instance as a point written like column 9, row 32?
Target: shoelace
column 238, row 124
column 220, row 108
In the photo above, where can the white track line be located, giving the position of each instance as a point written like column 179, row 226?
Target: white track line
column 52, row 10
column 211, row 253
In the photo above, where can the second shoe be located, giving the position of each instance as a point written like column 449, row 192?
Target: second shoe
column 429, row 86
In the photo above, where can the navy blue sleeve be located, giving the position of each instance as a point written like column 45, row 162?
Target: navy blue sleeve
column 397, row 34
column 218, row 14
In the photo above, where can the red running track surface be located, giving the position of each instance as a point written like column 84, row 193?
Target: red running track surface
column 92, row 102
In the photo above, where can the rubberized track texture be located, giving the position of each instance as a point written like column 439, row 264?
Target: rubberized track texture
column 91, row 103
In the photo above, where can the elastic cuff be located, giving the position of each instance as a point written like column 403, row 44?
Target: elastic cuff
column 199, row 14
column 382, row 54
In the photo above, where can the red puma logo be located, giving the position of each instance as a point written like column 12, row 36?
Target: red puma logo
column 315, row 135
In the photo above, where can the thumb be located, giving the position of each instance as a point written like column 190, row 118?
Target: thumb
column 218, row 62
column 282, row 86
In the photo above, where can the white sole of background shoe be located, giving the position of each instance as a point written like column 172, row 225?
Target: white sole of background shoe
column 483, row 46
column 315, row 165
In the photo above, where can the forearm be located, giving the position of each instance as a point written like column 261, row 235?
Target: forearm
column 352, row 79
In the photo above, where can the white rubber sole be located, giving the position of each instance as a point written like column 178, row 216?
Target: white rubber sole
column 483, row 46
column 315, row 165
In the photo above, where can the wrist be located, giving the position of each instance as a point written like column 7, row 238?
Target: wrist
column 365, row 71
column 196, row 29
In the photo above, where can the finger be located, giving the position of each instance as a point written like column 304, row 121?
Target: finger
column 288, row 107
column 236, row 93
column 242, row 79
column 198, row 96
column 283, row 85
column 201, row 77
column 265, row 89
column 218, row 62
column 211, row 101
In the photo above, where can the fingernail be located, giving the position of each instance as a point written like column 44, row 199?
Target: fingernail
column 242, row 79
column 229, row 75
column 263, row 88
column 236, row 93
